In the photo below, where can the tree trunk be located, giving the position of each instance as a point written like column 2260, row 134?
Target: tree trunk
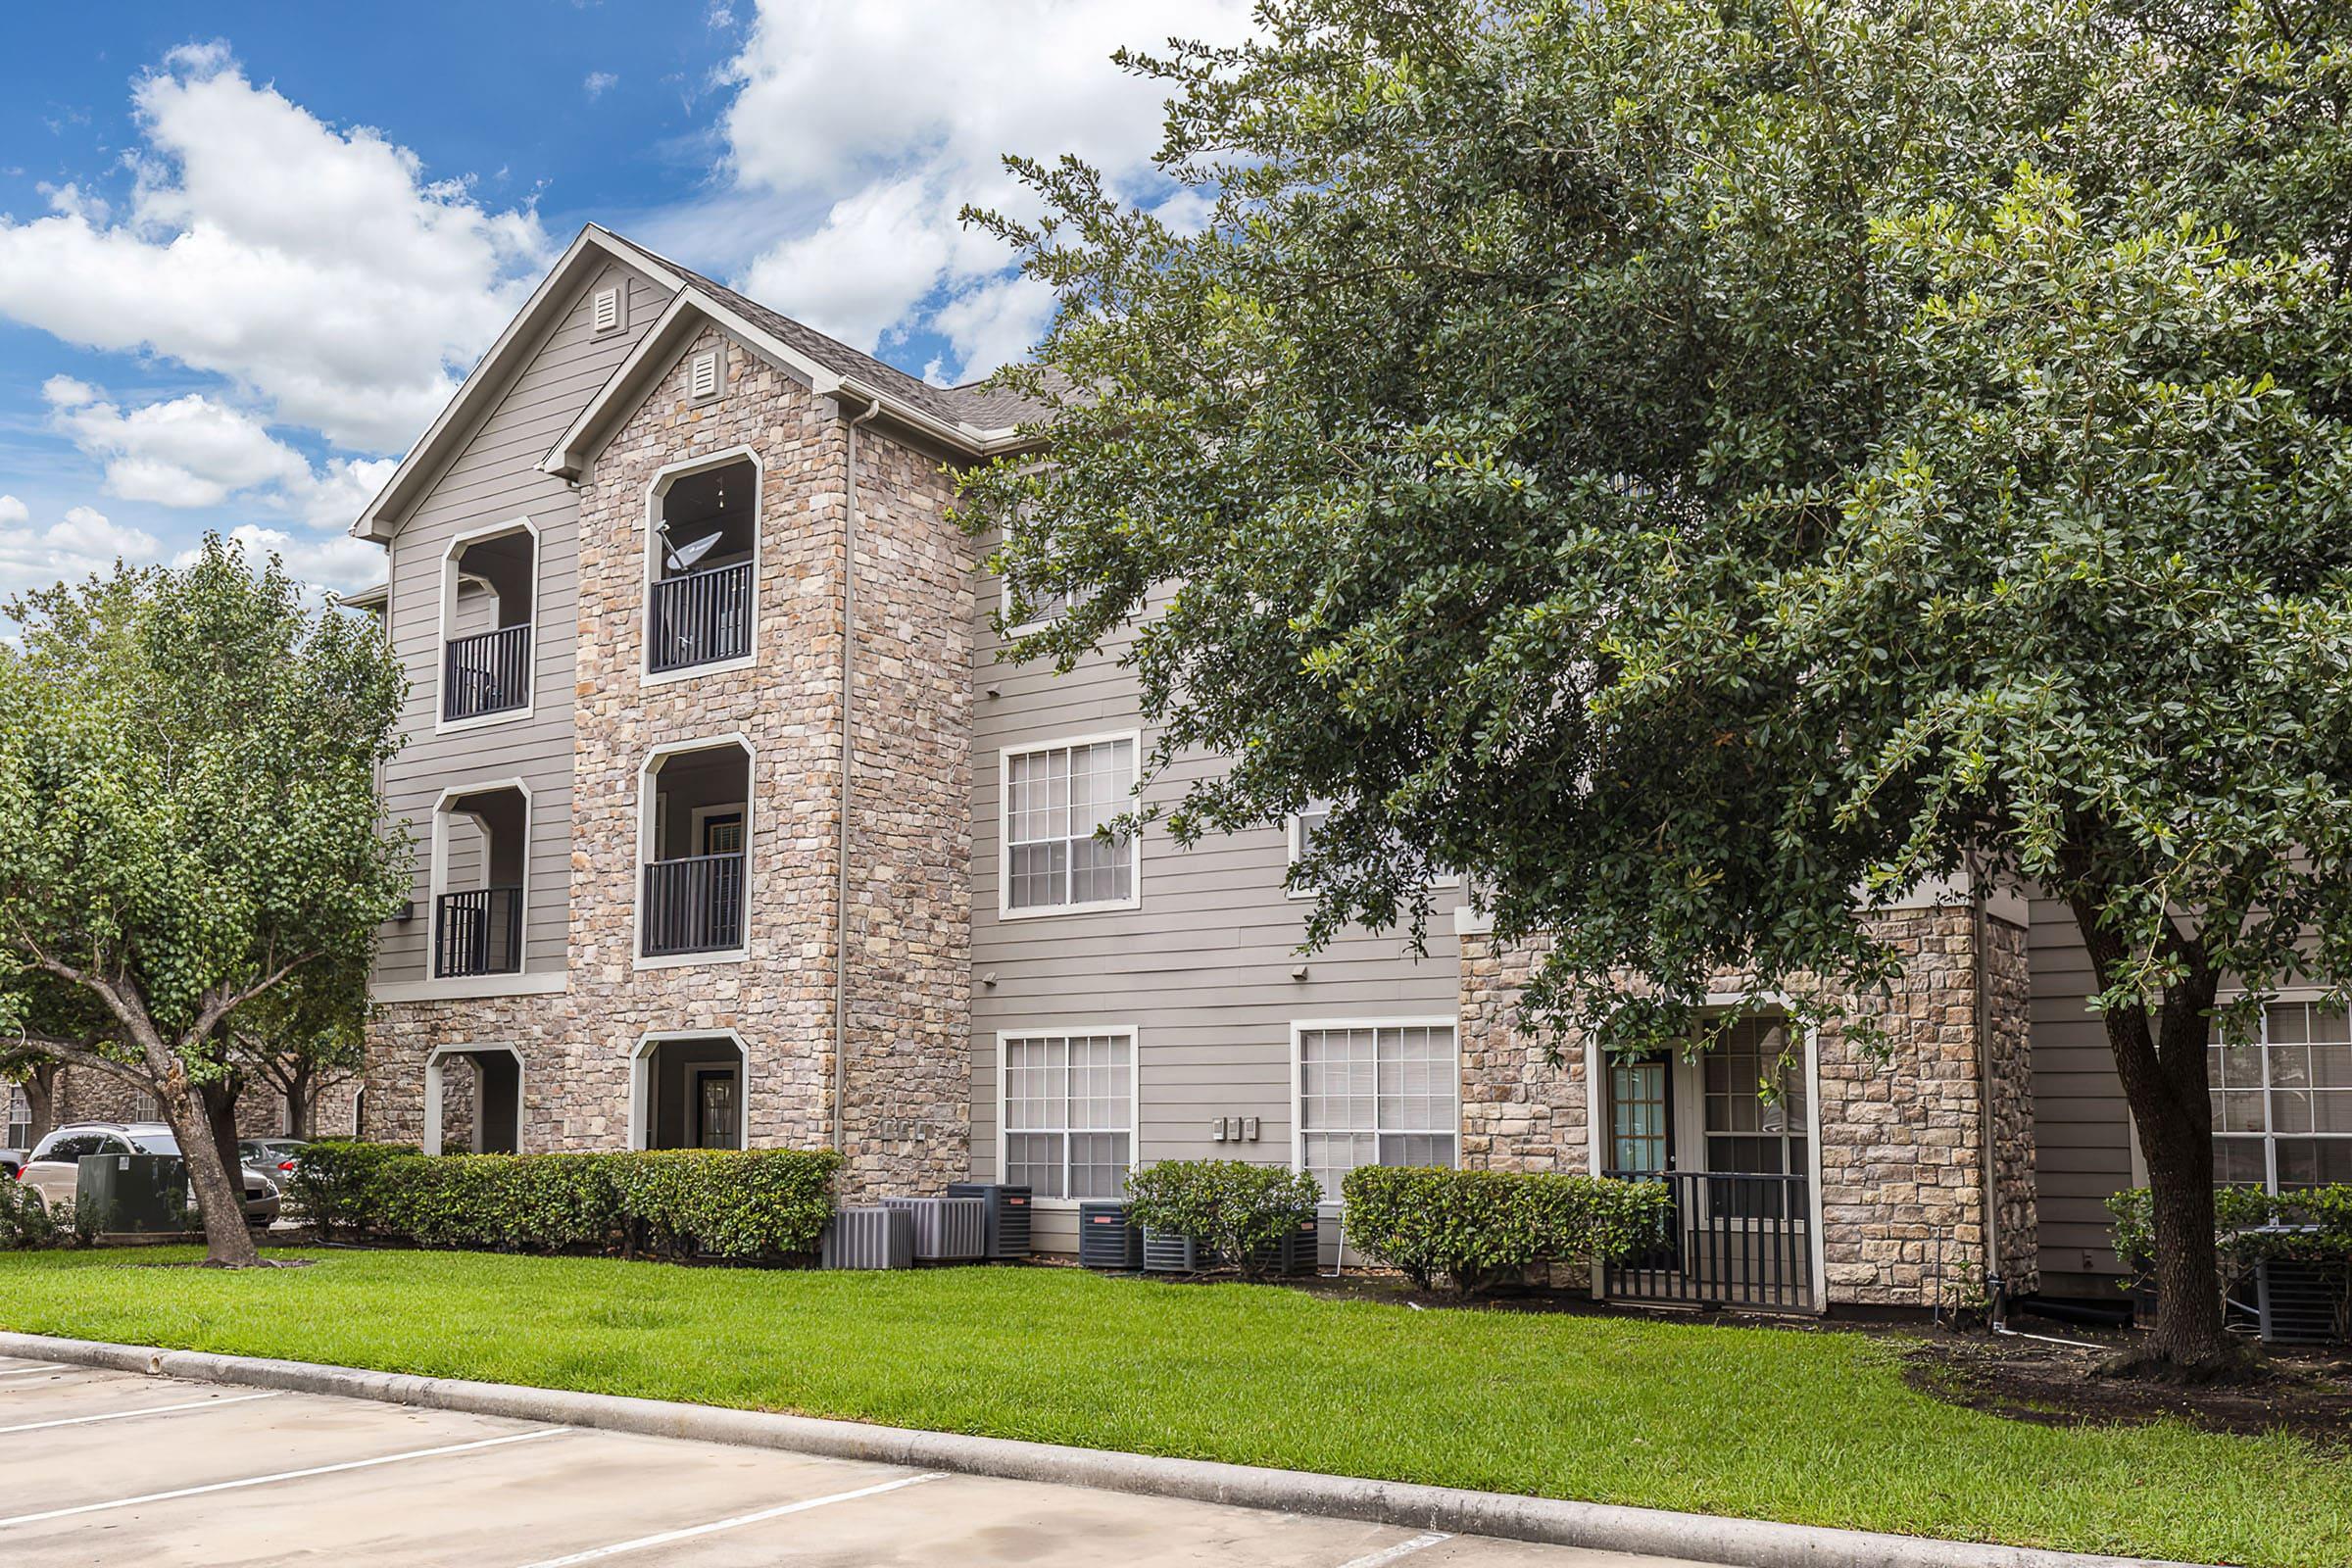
column 40, row 1096
column 302, row 1096
column 2164, row 1083
column 219, row 1188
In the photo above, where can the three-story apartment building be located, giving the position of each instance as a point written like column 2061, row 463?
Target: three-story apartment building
column 732, row 830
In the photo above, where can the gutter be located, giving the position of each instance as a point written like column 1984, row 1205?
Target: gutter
column 848, row 766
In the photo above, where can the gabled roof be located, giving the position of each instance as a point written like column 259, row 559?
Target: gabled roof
column 495, row 372
column 973, row 404
column 971, row 419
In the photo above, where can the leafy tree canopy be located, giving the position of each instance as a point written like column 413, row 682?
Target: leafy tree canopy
column 1700, row 468
column 188, row 821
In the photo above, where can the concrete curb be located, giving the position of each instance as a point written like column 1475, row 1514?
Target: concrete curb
column 1743, row 1542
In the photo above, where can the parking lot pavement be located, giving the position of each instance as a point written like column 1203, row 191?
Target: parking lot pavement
column 108, row 1468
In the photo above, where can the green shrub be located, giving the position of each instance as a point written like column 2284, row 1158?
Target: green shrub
column 25, row 1223
column 1475, row 1229
column 669, row 1202
column 332, row 1183
column 2248, row 1226
column 1238, row 1211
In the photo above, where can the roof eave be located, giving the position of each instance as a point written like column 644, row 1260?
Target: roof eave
column 577, row 446
column 380, row 518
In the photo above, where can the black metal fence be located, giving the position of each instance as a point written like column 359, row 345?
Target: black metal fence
column 479, row 932
column 693, row 905
column 488, row 673
column 1734, row 1240
column 700, row 617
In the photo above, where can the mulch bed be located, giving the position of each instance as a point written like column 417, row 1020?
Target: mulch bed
column 2304, row 1391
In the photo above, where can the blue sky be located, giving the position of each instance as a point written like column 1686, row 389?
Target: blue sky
column 246, row 250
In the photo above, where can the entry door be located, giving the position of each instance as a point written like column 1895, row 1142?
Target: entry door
column 722, row 833
column 717, row 1109
column 1640, row 1116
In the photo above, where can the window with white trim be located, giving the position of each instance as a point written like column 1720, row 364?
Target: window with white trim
column 1055, row 799
column 1069, row 1114
column 19, row 1118
column 2282, row 1101
column 1305, row 825
column 1376, row 1095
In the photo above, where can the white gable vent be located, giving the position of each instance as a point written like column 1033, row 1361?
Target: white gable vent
column 606, row 308
column 702, row 376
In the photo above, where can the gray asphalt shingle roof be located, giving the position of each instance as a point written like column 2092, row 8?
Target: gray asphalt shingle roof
column 981, row 407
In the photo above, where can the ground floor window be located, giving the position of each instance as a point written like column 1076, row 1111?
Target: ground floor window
column 1069, row 1113
column 1375, row 1093
column 1755, row 1101
column 2283, row 1101
column 19, row 1118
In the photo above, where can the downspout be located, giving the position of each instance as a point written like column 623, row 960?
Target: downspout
column 1980, row 938
column 849, row 752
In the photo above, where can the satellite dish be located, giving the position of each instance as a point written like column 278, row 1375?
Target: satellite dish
column 683, row 556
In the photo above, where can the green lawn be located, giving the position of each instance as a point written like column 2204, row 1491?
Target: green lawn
column 1817, row 1428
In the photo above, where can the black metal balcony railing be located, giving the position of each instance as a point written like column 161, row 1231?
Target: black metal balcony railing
column 700, row 617
column 693, row 905
column 1733, row 1240
column 478, row 932
column 488, row 673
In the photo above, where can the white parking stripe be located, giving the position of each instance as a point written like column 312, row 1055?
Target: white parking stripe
column 283, row 1475
column 151, row 1409
column 643, row 1543
column 1403, row 1549
column 28, row 1371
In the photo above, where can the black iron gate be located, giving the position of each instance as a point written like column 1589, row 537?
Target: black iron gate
column 1733, row 1240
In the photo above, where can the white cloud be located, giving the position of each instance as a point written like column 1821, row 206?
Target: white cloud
column 317, row 268
column 192, row 451
column 597, row 84
column 917, row 104
column 83, row 543
column 339, row 563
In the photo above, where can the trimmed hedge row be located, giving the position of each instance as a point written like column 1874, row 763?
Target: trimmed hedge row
column 672, row 1202
column 1237, row 1210
column 1476, row 1229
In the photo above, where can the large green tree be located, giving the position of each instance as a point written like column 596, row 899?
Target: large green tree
column 1700, row 468
column 188, row 828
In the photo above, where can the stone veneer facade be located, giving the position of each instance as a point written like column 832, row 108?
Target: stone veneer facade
column 904, row 1116
column 1901, row 1155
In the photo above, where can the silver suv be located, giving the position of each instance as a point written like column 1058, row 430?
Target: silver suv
column 53, row 1166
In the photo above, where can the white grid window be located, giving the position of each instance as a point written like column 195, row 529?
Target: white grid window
column 2282, row 1101
column 1378, row 1094
column 1054, row 800
column 19, row 1118
column 1069, row 1114
column 1310, row 823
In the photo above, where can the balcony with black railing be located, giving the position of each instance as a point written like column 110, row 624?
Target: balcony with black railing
column 477, row 932
column 700, row 618
column 488, row 673
column 1732, row 1239
column 692, row 904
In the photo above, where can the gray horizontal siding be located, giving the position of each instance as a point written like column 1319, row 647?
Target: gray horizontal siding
column 2081, row 1127
column 494, row 479
column 1201, row 971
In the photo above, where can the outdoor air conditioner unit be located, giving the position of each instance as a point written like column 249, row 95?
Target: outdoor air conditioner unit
column 131, row 1194
column 2297, row 1301
column 1107, row 1237
column 868, row 1236
column 1008, row 1210
column 1296, row 1252
column 947, row 1230
column 1167, row 1254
